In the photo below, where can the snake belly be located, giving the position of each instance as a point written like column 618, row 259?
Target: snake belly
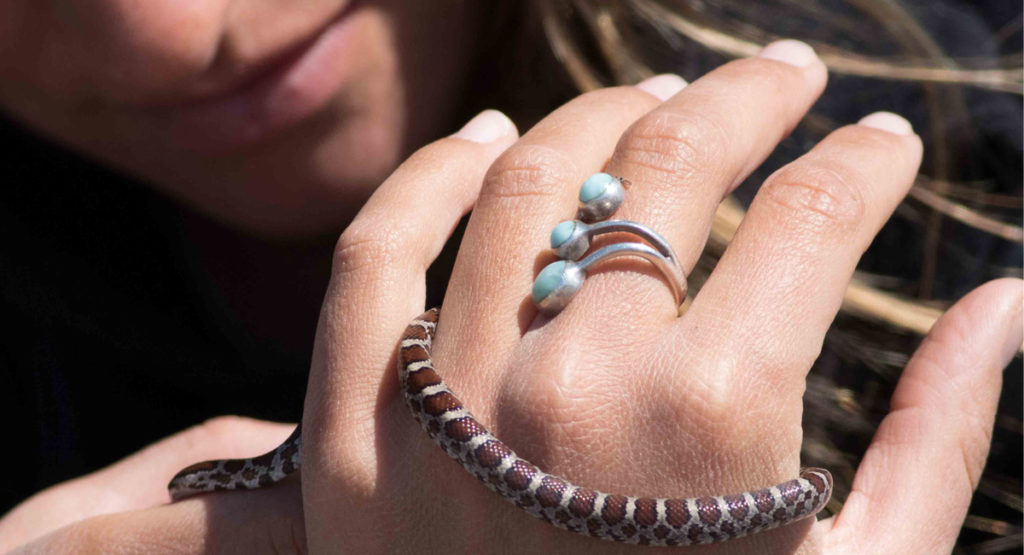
column 615, row 517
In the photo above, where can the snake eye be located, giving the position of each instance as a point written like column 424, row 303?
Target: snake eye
column 600, row 196
column 556, row 285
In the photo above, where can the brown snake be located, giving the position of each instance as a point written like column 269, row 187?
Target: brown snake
column 638, row 520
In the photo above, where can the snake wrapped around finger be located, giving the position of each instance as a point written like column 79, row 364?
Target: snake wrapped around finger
column 556, row 500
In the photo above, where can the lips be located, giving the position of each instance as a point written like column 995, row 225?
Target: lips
column 299, row 87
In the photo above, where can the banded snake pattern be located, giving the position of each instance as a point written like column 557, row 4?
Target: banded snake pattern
column 636, row 520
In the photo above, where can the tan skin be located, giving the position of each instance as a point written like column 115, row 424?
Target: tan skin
column 123, row 81
column 616, row 392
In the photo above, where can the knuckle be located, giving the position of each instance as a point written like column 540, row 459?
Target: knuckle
column 909, row 427
column 974, row 446
column 715, row 410
column 817, row 197
column 871, row 141
column 529, row 170
column 713, row 415
column 972, row 440
column 937, row 386
column 90, row 536
column 444, row 156
column 367, row 245
column 710, row 391
column 775, row 361
column 616, row 98
column 676, row 145
column 899, row 155
column 220, row 427
column 765, row 75
column 113, row 533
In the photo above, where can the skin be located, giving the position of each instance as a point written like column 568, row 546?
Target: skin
column 121, row 81
column 616, row 392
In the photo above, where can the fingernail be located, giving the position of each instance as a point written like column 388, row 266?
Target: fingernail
column 789, row 51
column 487, row 127
column 1012, row 341
column 663, row 86
column 887, row 121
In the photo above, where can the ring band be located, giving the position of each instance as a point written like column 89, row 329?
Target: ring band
column 600, row 196
column 559, row 281
column 571, row 239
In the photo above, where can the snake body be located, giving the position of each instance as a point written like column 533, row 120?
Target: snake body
column 622, row 518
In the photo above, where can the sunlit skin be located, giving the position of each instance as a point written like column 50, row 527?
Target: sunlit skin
column 275, row 116
column 617, row 392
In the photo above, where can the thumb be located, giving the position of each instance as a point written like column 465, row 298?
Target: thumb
column 138, row 481
column 261, row 521
column 911, row 492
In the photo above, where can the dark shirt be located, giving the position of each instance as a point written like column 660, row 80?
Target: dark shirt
column 113, row 337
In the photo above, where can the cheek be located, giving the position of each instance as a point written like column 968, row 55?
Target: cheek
column 310, row 180
column 368, row 119
column 436, row 43
column 360, row 154
column 137, row 49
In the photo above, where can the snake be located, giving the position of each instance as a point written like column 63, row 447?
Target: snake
column 553, row 499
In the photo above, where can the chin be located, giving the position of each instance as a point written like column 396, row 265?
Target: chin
column 307, row 182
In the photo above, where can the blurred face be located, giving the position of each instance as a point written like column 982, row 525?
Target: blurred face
column 277, row 116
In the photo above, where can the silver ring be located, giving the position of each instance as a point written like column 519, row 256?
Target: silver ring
column 571, row 239
column 600, row 196
column 559, row 281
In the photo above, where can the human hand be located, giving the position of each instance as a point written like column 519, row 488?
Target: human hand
column 616, row 392
column 122, row 508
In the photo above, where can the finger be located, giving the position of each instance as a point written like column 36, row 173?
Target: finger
column 259, row 521
column 528, row 190
column 915, row 482
column 684, row 156
column 138, row 481
column 774, row 293
column 377, row 286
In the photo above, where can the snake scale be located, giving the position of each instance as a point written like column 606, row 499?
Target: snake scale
column 636, row 520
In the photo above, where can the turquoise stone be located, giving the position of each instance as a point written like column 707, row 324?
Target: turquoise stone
column 562, row 233
column 594, row 186
column 548, row 280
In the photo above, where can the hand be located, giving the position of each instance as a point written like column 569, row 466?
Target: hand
column 122, row 508
column 616, row 392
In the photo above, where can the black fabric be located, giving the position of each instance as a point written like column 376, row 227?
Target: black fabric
column 110, row 339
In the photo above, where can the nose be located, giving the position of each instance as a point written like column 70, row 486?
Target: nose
column 139, row 49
